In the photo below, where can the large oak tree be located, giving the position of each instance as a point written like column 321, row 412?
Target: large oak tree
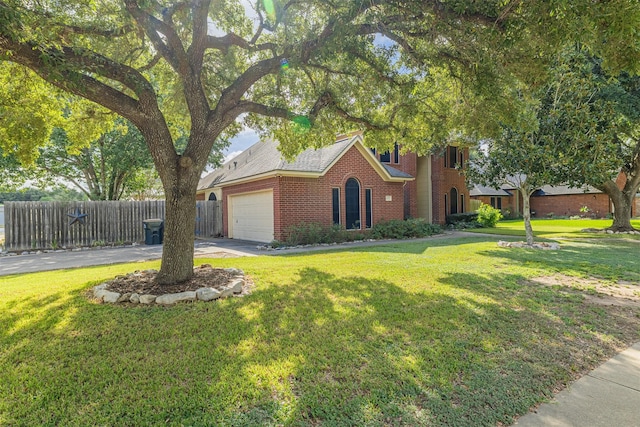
column 301, row 70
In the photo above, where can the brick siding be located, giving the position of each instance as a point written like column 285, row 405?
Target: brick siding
column 443, row 180
column 308, row 200
column 570, row 204
column 560, row 205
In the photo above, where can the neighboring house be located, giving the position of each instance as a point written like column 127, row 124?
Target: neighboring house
column 346, row 184
column 559, row 200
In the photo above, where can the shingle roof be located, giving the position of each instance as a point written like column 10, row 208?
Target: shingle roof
column 481, row 190
column 395, row 172
column 264, row 158
column 560, row 190
column 545, row 190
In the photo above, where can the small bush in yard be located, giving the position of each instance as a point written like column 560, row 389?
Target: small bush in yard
column 466, row 225
column 304, row 233
column 398, row 229
column 488, row 216
column 461, row 217
column 313, row 233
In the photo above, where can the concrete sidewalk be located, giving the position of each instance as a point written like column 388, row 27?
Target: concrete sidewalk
column 607, row 396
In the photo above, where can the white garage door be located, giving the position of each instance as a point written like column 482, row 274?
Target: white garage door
column 251, row 216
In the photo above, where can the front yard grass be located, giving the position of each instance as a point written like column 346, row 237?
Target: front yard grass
column 550, row 228
column 439, row 332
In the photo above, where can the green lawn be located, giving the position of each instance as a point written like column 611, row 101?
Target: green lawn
column 443, row 332
column 550, row 228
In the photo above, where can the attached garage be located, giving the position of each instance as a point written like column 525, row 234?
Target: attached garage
column 251, row 216
column 264, row 195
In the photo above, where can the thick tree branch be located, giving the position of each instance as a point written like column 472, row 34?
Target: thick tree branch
column 261, row 109
column 69, row 70
column 232, row 95
column 172, row 50
column 231, row 39
column 187, row 65
column 200, row 12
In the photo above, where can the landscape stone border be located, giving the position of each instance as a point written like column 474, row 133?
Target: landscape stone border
column 233, row 287
column 542, row 245
column 607, row 231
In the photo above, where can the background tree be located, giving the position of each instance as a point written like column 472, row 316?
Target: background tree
column 602, row 144
column 300, row 71
column 57, row 193
column 104, row 169
column 146, row 185
column 9, row 180
column 588, row 134
column 569, row 140
column 519, row 159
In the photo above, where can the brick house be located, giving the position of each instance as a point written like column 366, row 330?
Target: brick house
column 345, row 183
column 548, row 200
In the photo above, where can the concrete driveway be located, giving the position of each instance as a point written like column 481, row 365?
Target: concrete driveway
column 83, row 258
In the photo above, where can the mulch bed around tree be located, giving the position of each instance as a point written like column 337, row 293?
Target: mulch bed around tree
column 143, row 282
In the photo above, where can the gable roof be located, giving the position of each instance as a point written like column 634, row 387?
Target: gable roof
column 263, row 160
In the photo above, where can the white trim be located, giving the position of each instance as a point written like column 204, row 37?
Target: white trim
column 370, row 210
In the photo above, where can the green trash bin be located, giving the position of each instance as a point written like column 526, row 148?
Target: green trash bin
column 153, row 231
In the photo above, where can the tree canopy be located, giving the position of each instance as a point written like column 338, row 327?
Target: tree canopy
column 566, row 118
column 403, row 71
column 598, row 136
column 585, row 133
column 105, row 169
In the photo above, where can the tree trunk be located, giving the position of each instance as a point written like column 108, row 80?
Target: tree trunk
column 622, row 206
column 179, row 235
column 180, row 175
column 526, row 214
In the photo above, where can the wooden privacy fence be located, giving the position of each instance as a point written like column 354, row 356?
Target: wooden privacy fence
column 50, row 225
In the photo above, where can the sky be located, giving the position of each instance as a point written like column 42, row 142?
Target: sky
column 239, row 143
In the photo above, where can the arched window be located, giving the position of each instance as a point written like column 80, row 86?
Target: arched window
column 212, row 196
column 454, row 201
column 352, row 202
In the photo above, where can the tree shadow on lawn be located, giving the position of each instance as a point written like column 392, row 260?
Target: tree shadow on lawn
column 320, row 349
